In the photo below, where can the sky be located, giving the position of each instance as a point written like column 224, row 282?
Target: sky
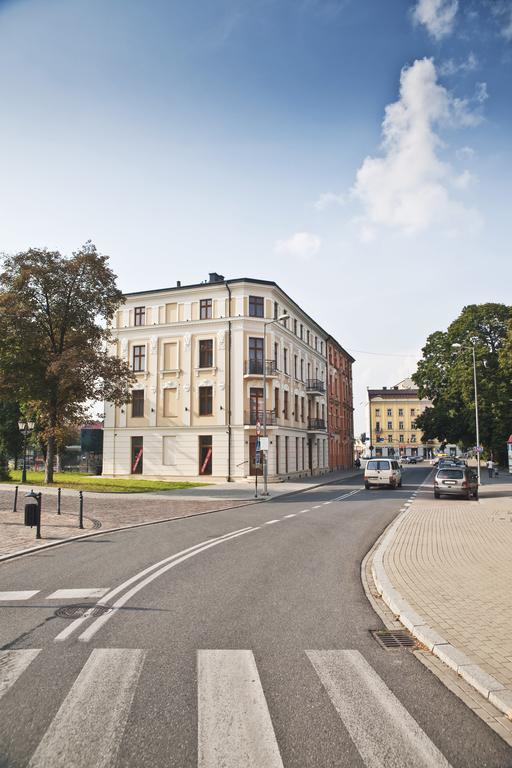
column 356, row 152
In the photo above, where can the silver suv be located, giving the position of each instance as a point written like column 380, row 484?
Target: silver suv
column 456, row 481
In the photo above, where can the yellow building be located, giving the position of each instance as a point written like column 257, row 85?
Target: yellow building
column 393, row 414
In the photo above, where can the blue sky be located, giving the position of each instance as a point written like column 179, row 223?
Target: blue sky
column 357, row 152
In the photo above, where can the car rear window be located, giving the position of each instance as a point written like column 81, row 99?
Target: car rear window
column 451, row 474
column 377, row 465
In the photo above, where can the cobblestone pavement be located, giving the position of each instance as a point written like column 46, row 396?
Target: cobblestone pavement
column 451, row 561
column 105, row 511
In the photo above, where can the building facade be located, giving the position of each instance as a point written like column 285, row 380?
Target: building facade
column 340, row 411
column 201, row 354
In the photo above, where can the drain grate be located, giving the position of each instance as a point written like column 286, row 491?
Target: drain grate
column 394, row 639
column 75, row 611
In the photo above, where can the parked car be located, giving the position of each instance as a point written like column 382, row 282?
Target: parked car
column 382, row 472
column 409, row 459
column 456, row 481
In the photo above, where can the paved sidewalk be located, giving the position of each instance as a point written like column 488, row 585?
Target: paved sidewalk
column 107, row 511
column 447, row 567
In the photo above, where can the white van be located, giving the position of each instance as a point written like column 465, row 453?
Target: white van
column 382, row 472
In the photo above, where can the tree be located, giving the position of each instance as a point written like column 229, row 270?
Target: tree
column 55, row 314
column 445, row 376
column 11, row 439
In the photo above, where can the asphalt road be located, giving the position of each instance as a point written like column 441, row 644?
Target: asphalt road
column 232, row 641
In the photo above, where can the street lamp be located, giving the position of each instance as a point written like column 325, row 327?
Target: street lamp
column 265, row 462
column 25, row 428
column 457, row 347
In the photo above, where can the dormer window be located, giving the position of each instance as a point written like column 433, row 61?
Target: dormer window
column 140, row 316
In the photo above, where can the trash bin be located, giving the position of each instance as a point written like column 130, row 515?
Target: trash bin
column 32, row 509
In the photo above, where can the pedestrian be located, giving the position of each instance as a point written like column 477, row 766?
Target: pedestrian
column 357, row 463
column 490, row 468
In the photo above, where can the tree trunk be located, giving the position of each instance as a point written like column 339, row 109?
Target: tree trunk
column 59, row 461
column 50, row 458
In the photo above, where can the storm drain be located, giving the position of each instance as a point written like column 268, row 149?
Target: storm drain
column 76, row 611
column 394, row 639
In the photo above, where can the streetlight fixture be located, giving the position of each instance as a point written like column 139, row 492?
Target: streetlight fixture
column 25, row 428
column 265, row 462
column 457, row 346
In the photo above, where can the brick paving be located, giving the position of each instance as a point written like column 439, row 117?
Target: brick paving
column 103, row 512
column 451, row 561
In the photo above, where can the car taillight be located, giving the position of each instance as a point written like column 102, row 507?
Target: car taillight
column 464, row 484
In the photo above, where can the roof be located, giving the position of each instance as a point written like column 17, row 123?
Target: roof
column 393, row 393
column 234, row 281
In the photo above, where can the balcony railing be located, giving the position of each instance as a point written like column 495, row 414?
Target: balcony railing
column 315, row 385
column 252, row 417
column 255, row 367
column 315, row 425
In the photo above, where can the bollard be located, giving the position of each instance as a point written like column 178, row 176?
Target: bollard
column 15, row 499
column 39, row 504
column 58, row 500
column 81, row 512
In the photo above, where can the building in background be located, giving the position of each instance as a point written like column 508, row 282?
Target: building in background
column 340, row 410
column 199, row 356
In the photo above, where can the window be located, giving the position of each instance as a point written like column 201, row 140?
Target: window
column 205, row 454
column 390, row 425
column 307, row 336
column 302, row 370
column 285, row 404
column 285, row 360
column 321, row 347
column 276, row 355
column 206, row 353
column 400, row 411
column 296, row 454
column 205, row 401
column 286, row 441
column 296, row 407
column 137, row 403
column 255, row 354
column 295, row 326
column 256, row 306
column 401, row 438
column 316, row 342
column 413, row 438
column 413, row 411
column 295, row 368
column 390, row 412
column 205, row 309
column 276, row 402
column 400, row 425
column 137, row 450
column 377, row 426
column 277, row 454
column 139, row 357
column 377, row 411
column 301, row 331
column 390, row 438
column 140, row 316
column 302, row 409
column 276, row 310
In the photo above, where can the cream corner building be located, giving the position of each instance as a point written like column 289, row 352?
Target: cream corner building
column 198, row 355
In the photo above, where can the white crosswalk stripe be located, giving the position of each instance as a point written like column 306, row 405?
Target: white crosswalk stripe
column 76, row 594
column 12, row 665
column 23, row 594
column 383, row 731
column 87, row 729
column 234, row 725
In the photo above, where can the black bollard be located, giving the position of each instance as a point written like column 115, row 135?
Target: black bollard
column 38, row 526
column 15, row 499
column 81, row 512
column 58, row 500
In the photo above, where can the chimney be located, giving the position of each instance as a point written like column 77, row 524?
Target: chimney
column 178, row 283
column 216, row 278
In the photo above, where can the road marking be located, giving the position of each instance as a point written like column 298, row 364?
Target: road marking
column 12, row 665
column 234, row 725
column 327, row 502
column 303, row 511
column 20, row 595
column 96, row 625
column 287, row 516
column 317, row 506
column 78, row 622
column 67, row 594
column 346, row 495
column 270, row 522
column 383, row 731
column 89, row 725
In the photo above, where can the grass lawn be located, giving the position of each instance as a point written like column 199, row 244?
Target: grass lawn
column 99, row 484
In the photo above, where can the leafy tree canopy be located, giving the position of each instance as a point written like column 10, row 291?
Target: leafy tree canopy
column 54, row 318
column 445, row 376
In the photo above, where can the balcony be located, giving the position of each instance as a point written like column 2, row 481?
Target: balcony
column 316, row 425
column 255, row 367
column 315, row 387
column 252, row 417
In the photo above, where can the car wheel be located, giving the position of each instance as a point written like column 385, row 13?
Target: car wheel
column 475, row 495
column 367, row 486
column 437, row 495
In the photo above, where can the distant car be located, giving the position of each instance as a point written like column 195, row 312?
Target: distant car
column 382, row 472
column 456, row 481
column 451, row 461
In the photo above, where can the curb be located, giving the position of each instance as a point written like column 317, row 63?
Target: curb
column 248, row 503
column 490, row 688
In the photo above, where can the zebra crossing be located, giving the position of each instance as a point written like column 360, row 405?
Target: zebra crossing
column 234, row 720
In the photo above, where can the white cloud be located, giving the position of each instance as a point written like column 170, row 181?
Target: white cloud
column 465, row 152
column 328, row 198
column 451, row 67
column 502, row 10
column 438, row 16
column 481, row 92
column 409, row 187
column 301, row 245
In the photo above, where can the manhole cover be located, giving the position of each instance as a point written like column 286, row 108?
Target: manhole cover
column 393, row 639
column 75, row 611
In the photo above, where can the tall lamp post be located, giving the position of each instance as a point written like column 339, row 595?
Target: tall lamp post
column 265, row 462
column 25, row 428
column 457, row 347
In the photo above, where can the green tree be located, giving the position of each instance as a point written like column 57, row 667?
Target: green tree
column 54, row 319
column 445, row 376
column 11, row 439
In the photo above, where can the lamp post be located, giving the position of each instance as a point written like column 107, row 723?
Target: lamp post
column 457, row 347
column 265, row 462
column 25, row 428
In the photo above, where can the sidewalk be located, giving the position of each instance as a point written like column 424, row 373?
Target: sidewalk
column 111, row 511
column 445, row 568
